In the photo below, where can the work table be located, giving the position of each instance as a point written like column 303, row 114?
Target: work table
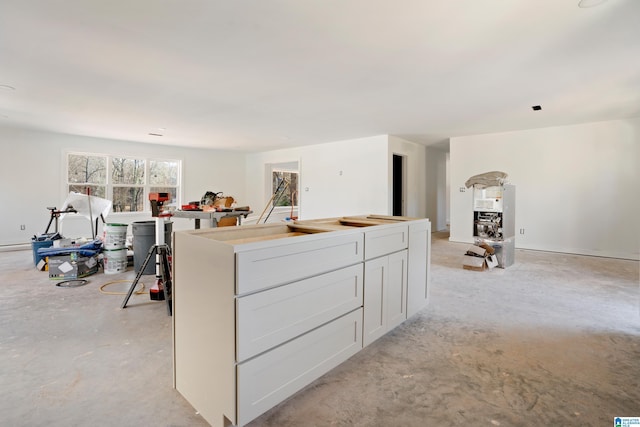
column 213, row 216
column 260, row 311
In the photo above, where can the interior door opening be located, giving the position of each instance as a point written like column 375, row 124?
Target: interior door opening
column 398, row 185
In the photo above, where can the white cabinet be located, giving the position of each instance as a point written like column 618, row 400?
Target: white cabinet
column 375, row 315
column 267, row 380
column 385, row 278
column 382, row 241
column 385, row 295
column 267, row 319
column 396, row 303
column 268, row 266
column 419, row 261
column 261, row 311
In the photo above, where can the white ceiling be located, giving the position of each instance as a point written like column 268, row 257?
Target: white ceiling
column 263, row 74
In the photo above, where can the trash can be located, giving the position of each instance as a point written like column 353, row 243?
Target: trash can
column 144, row 237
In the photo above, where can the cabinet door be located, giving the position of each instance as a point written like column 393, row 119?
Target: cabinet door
column 418, row 263
column 396, row 289
column 375, row 314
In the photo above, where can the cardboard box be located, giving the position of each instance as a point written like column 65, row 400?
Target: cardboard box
column 227, row 222
column 474, row 263
column 72, row 266
column 474, row 250
column 490, row 250
column 492, row 261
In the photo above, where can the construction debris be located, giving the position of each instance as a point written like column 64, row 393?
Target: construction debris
column 480, row 257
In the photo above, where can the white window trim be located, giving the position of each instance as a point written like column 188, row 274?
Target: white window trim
column 110, row 185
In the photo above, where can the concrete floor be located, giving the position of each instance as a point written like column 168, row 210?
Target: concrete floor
column 552, row 340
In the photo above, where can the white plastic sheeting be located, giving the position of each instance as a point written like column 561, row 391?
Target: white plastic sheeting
column 487, row 179
column 90, row 207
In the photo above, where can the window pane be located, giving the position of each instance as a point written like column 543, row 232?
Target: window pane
column 128, row 181
column 173, row 194
column 87, row 169
column 96, row 190
column 127, row 171
column 128, row 199
column 286, row 185
column 163, row 172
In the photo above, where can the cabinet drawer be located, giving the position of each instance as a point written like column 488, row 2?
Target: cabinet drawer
column 385, row 240
column 269, row 318
column 267, row 267
column 268, row 379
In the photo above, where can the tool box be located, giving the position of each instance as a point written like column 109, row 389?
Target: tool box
column 72, row 266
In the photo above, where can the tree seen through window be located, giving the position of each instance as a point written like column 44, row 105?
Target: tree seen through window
column 285, row 188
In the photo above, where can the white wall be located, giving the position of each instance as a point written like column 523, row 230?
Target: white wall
column 437, row 191
column 416, row 176
column 31, row 178
column 576, row 186
column 447, row 190
column 342, row 178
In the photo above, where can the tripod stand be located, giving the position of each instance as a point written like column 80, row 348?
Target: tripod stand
column 163, row 252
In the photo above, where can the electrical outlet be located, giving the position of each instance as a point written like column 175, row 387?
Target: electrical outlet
column 462, row 189
column 23, row 227
column 522, row 231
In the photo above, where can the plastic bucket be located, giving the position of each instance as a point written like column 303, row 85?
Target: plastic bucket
column 115, row 260
column 144, row 237
column 115, row 236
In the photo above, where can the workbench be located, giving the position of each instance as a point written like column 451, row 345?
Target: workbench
column 212, row 216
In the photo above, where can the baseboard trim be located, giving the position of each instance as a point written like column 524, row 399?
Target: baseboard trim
column 19, row 247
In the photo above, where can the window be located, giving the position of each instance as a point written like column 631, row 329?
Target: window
column 163, row 178
column 126, row 181
column 285, row 185
column 87, row 172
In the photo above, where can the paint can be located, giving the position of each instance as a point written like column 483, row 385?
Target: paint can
column 115, row 260
column 115, row 236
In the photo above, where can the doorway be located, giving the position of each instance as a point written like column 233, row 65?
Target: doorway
column 398, row 185
column 281, row 191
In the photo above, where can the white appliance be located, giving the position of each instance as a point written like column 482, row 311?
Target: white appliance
column 494, row 220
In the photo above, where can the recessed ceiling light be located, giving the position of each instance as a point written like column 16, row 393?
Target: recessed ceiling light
column 536, row 107
column 155, row 134
column 590, row 3
column 7, row 87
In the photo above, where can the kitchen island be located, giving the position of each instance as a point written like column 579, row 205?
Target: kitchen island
column 260, row 311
